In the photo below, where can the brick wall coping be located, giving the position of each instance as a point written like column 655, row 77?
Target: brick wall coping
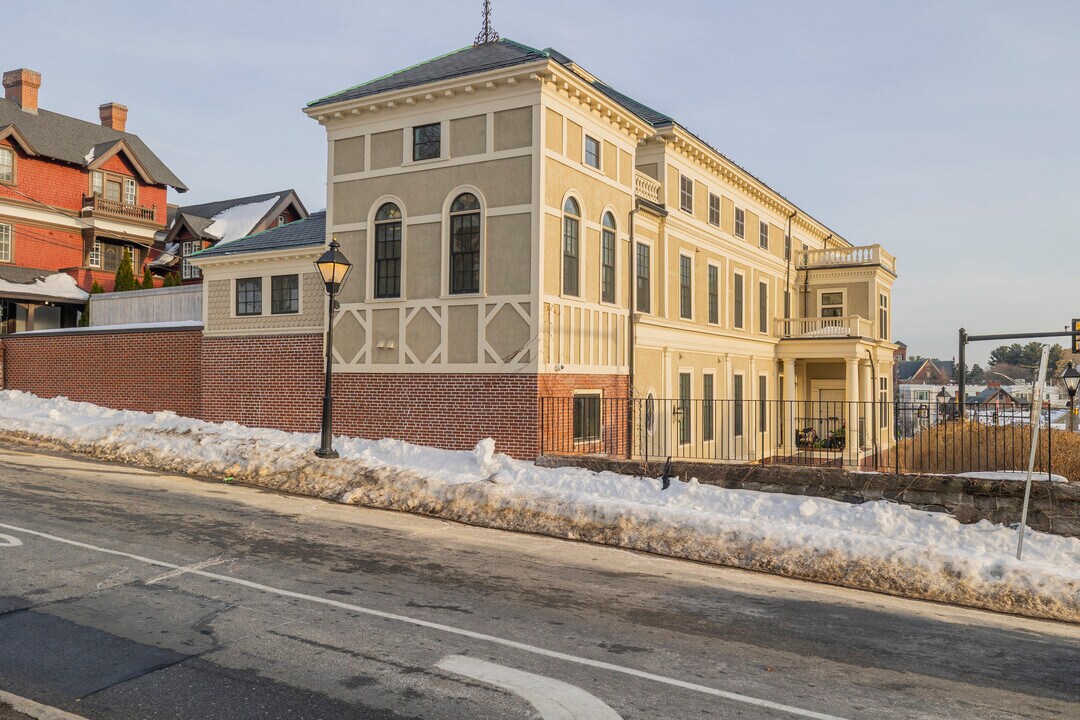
column 184, row 325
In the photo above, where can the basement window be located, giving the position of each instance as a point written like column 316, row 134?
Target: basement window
column 586, row 417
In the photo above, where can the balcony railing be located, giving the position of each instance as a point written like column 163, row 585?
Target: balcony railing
column 863, row 255
column 852, row 326
column 646, row 187
column 115, row 207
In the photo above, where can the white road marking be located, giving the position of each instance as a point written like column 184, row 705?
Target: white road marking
column 675, row 682
column 9, row 541
column 553, row 699
column 36, row 710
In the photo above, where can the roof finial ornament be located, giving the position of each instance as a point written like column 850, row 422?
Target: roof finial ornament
column 487, row 33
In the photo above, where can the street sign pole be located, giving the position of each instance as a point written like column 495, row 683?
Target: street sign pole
column 1036, row 419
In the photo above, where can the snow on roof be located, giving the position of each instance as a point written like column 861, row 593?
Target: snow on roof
column 55, row 286
column 239, row 220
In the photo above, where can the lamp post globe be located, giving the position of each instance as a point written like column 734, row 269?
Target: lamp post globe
column 943, row 398
column 334, row 268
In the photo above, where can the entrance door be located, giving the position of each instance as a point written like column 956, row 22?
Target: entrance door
column 829, row 417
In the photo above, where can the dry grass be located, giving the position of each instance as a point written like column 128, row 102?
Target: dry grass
column 966, row 446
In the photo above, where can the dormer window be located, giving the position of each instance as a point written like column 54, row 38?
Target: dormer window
column 7, row 165
column 97, row 183
column 281, row 220
column 129, row 191
column 112, row 190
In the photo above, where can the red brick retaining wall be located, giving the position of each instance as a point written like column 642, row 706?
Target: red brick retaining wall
column 146, row 371
column 276, row 381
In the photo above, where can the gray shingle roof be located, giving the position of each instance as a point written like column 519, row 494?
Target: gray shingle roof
column 24, row 275
column 302, row 233
column 210, row 209
column 70, row 140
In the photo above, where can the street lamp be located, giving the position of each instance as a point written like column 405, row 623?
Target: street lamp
column 943, row 398
column 1071, row 379
column 334, row 268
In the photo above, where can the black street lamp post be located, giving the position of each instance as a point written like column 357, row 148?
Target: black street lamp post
column 1071, row 378
column 334, row 268
column 943, row 398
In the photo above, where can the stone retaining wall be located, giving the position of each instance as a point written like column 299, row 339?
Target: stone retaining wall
column 1055, row 507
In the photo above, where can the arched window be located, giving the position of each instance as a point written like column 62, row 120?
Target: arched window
column 607, row 259
column 650, row 413
column 465, row 244
column 388, row 251
column 571, row 247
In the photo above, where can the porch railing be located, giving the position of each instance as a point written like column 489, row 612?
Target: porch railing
column 646, row 187
column 886, row 436
column 860, row 255
column 115, row 207
column 830, row 327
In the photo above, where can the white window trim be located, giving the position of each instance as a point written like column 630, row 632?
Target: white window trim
column 768, row 302
column 11, row 153
column 588, row 392
column 742, row 376
column 719, row 293
column 690, row 210
column 95, row 249
column 649, row 244
column 719, row 210
column 735, row 222
column 134, row 186
column 585, row 137
column 690, row 256
column 369, row 281
column 678, row 400
column 10, row 243
column 734, row 325
column 763, row 225
column 711, row 372
column 600, row 260
column 407, row 145
column 843, row 304
column 444, row 283
column 267, row 296
column 582, row 235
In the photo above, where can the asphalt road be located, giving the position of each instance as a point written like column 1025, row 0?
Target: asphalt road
column 126, row 593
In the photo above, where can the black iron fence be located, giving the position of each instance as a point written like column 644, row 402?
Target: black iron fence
column 899, row 437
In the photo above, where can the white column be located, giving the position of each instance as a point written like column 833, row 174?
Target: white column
column 851, row 388
column 789, row 406
column 866, row 392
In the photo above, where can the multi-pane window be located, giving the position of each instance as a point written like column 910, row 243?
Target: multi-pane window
column 7, row 165
column 739, row 300
column 787, row 247
column 187, row 270
column 643, row 288
column 686, row 303
column 571, row 247
column 714, row 294
column 763, row 307
column 112, row 190
column 832, row 304
column 740, row 222
column 714, row 209
column 883, row 316
column 94, row 260
column 388, row 251
column 685, row 426
column 465, row 244
column 763, row 235
column 737, row 405
column 883, row 385
column 427, row 142
column 249, row 296
column 97, row 183
column 129, row 191
column 592, row 152
column 607, row 259
column 686, row 193
column 586, row 417
column 133, row 256
column 281, row 220
column 708, row 408
column 763, row 403
column 787, row 304
column 284, row 294
column 5, row 243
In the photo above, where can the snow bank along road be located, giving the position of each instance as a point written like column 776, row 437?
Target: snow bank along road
column 127, row 593
column 873, row 546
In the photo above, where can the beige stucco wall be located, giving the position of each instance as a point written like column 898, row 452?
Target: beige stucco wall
column 468, row 136
column 387, row 149
column 513, row 128
column 349, row 155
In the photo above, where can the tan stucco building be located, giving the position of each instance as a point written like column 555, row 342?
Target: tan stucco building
column 510, row 215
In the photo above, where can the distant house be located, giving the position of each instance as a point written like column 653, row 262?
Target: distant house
column 925, row 371
column 994, row 395
column 74, row 197
column 197, row 227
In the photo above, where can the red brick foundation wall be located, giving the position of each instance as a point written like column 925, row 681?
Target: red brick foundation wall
column 145, row 371
column 273, row 381
column 557, row 413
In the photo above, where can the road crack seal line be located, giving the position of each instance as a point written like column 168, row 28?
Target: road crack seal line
column 193, row 568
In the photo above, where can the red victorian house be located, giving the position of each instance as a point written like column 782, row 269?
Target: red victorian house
column 73, row 196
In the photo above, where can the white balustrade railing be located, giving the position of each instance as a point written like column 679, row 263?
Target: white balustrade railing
column 862, row 255
column 646, row 187
column 831, row 327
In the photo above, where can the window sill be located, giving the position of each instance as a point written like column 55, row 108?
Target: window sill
column 460, row 296
column 384, row 301
column 427, row 161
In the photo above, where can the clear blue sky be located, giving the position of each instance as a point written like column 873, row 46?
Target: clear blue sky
column 949, row 132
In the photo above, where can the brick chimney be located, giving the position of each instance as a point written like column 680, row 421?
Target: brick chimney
column 113, row 115
column 21, row 87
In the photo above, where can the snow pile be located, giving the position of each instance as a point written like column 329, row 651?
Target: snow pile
column 237, row 222
column 57, row 285
column 876, row 545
